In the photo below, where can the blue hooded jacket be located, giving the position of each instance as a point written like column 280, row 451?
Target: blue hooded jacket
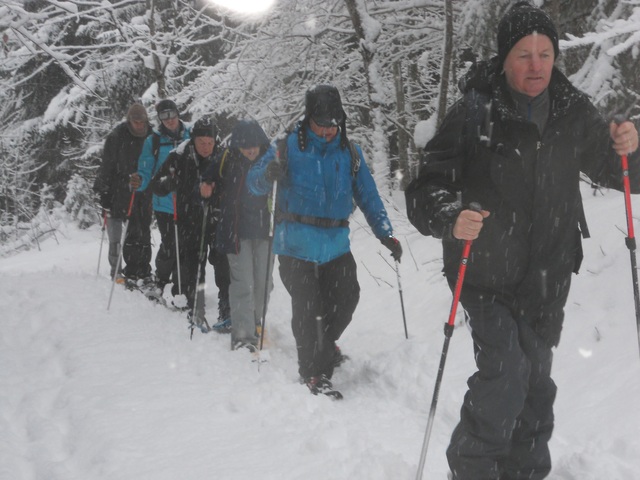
column 319, row 183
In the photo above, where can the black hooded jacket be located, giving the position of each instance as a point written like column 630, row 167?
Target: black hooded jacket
column 486, row 152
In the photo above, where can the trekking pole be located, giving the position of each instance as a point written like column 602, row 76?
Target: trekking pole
column 630, row 241
column 175, row 232
column 448, row 331
column 122, row 239
column 404, row 317
column 200, row 261
column 272, row 224
column 104, row 227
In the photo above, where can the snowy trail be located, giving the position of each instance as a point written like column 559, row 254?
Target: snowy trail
column 90, row 394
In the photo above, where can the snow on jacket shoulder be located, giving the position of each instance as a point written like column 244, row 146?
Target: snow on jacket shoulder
column 319, row 185
column 148, row 165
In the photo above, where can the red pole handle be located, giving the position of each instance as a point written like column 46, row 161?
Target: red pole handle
column 133, row 195
column 175, row 210
column 627, row 195
column 460, row 280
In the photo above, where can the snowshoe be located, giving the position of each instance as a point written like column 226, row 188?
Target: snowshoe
column 338, row 358
column 322, row 385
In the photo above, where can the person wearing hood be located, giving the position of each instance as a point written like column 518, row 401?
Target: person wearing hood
column 320, row 175
column 171, row 132
column 243, row 229
column 122, row 148
column 515, row 144
column 181, row 174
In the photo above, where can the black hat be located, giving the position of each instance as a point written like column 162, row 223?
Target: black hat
column 204, row 127
column 247, row 134
column 323, row 106
column 523, row 19
column 166, row 105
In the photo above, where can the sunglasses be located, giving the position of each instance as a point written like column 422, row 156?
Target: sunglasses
column 167, row 114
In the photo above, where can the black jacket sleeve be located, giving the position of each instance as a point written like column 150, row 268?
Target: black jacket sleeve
column 104, row 184
column 165, row 181
column 433, row 197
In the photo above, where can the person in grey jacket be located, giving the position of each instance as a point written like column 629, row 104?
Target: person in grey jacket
column 515, row 144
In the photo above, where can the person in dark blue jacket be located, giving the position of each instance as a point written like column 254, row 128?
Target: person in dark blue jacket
column 243, row 229
column 318, row 180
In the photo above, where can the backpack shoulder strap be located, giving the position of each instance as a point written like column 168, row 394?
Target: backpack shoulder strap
column 222, row 161
column 155, row 149
column 478, row 118
column 355, row 159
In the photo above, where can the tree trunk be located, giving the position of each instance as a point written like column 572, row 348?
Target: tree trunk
column 367, row 57
column 446, row 60
column 403, row 137
column 157, row 64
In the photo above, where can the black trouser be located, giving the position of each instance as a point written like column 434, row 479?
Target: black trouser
column 323, row 299
column 190, row 231
column 166, row 256
column 222, row 275
column 506, row 419
column 137, row 246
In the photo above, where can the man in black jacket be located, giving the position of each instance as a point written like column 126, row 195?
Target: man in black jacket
column 516, row 144
column 122, row 148
column 182, row 173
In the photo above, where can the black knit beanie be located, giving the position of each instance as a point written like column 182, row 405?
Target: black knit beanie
column 204, row 127
column 523, row 19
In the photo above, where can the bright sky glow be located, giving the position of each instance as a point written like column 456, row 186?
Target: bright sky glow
column 245, row 6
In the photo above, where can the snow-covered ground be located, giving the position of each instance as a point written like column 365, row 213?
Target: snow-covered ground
column 89, row 394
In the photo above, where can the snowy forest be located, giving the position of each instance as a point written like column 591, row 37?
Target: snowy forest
column 70, row 69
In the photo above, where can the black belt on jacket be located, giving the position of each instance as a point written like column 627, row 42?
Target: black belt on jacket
column 311, row 220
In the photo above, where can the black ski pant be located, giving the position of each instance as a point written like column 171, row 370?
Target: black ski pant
column 136, row 251
column 137, row 245
column 189, row 233
column 222, row 275
column 166, row 256
column 323, row 299
column 507, row 418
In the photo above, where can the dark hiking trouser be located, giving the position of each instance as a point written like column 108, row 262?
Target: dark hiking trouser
column 189, row 236
column 323, row 299
column 222, row 275
column 166, row 256
column 136, row 252
column 506, row 419
column 137, row 245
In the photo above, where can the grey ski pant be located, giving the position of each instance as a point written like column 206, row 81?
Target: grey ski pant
column 248, row 271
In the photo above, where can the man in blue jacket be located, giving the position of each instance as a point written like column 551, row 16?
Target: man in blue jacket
column 320, row 174
column 156, row 148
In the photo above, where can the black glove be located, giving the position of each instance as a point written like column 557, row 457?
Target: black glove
column 393, row 244
column 275, row 171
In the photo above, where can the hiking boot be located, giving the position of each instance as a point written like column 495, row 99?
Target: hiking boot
column 322, row 385
column 223, row 326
